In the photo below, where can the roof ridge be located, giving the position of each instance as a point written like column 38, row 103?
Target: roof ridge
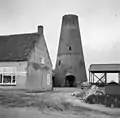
column 19, row 34
column 107, row 64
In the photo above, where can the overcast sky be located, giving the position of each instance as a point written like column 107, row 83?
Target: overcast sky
column 99, row 22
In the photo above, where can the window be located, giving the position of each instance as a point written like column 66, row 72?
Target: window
column 7, row 75
column 42, row 60
column 59, row 62
column 48, row 79
column 0, row 78
column 13, row 81
column 6, row 79
column 70, row 48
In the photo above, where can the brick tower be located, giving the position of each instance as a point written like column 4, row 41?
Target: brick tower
column 70, row 66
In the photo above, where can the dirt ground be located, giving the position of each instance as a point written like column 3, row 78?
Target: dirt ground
column 53, row 104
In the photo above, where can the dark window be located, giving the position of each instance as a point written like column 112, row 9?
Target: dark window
column 0, row 78
column 70, row 48
column 6, row 79
column 13, row 81
column 59, row 62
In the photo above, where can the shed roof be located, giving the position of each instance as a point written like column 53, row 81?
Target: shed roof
column 109, row 68
column 17, row 47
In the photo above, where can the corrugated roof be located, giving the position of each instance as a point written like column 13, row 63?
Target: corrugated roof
column 17, row 47
column 104, row 68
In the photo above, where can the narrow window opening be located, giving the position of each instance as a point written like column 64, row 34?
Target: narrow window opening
column 13, row 81
column 0, row 78
column 59, row 62
column 70, row 48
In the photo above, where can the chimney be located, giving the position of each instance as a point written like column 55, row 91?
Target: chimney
column 40, row 29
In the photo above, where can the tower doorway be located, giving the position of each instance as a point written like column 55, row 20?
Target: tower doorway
column 70, row 81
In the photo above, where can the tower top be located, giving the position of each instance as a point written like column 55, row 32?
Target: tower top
column 70, row 19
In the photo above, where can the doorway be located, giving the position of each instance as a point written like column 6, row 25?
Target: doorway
column 70, row 81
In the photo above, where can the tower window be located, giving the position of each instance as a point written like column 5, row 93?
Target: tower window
column 59, row 62
column 70, row 48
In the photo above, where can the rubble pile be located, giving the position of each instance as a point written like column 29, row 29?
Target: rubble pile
column 78, row 95
column 94, row 90
column 104, row 95
column 85, row 84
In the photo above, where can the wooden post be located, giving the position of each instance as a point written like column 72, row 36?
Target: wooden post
column 89, row 77
column 105, row 78
column 92, row 78
column 119, row 78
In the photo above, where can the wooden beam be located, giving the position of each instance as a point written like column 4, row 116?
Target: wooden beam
column 89, row 76
column 119, row 78
column 105, row 77
column 99, row 79
column 93, row 77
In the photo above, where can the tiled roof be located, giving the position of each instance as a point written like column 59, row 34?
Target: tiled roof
column 17, row 47
column 114, row 68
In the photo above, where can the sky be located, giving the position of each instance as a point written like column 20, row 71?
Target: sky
column 99, row 22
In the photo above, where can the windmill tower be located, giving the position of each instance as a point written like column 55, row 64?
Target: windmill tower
column 70, row 66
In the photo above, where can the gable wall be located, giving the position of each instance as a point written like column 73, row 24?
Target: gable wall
column 37, row 72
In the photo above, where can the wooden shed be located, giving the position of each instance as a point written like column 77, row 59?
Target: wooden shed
column 102, row 69
column 25, row 62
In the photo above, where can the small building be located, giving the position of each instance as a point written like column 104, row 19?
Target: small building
column 25, row 62
column 103, row 69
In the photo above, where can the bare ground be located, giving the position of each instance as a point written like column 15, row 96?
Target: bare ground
column 53, row 104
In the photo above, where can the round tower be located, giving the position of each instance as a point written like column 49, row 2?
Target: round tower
column 70, row 66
